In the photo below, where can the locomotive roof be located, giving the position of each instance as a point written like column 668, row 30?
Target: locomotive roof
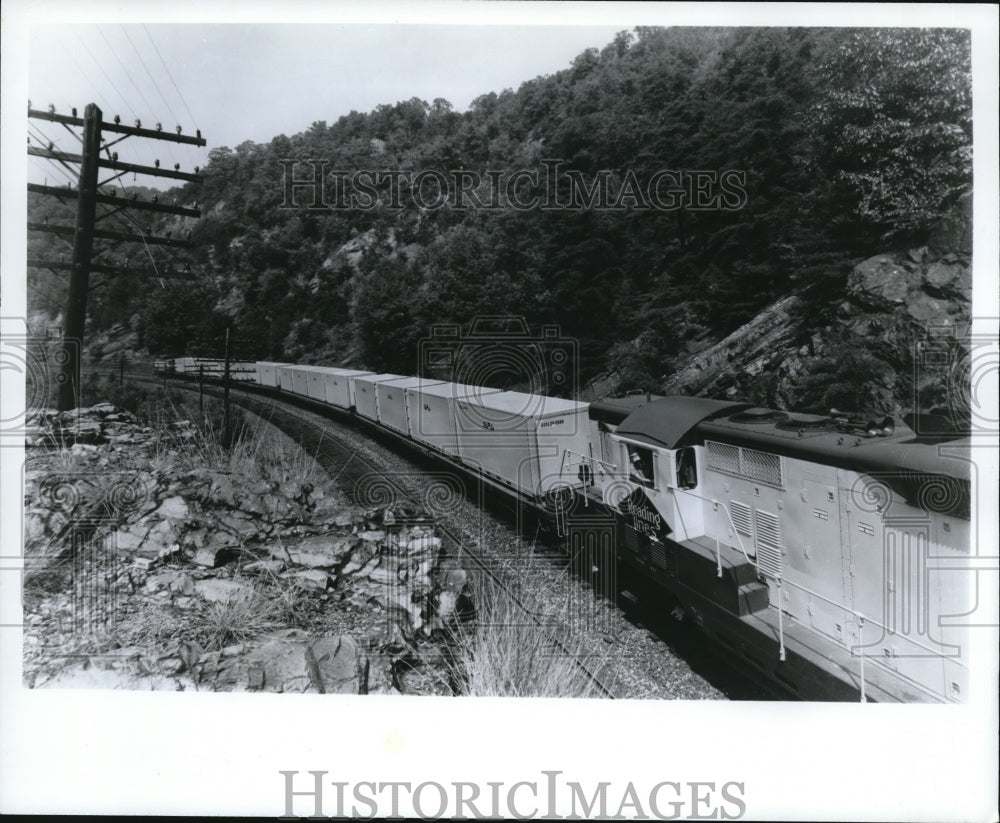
column 613, row 410
column 670, row 421
column 902, row 451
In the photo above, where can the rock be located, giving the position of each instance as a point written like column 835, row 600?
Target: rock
column 211, row 557
column 454, row 580
column 265, row 566
column 316, row 552
column 880, row 282
column 311, row 579
column 290, row 661
column 219, row 590
column 173, row 508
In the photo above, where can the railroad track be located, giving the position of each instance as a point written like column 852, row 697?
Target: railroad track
column 358, row 475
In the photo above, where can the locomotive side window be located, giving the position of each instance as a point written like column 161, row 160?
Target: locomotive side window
column 687, row 468
column 640, row 465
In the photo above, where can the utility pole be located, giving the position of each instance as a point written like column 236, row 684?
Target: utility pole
column 89, row 196
column 225, row 396
column 83, row 244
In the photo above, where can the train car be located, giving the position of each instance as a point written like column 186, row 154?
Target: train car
column 391, row 398
column 316, row 381
column 801, row 542
column 521, row 440
column 430, row 413
column 340, row 388
column 824, row 551
column 267, row 373
column 365, row 398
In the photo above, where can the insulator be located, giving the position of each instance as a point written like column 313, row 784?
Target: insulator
column 114, row 193
column 52, row 109
column 156, row 163
column 50, row 145
column 114, row 156
column 29, row 105
column 159, row 126
column 156, row 198
column 117, row 120
column 197, row 169
column 74, row 111
column 177, row 166
column 178, row 129
column 134, row 196
column 198, row 133
column 138, row 123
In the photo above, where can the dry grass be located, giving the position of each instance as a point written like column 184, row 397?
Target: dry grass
column 504, row 653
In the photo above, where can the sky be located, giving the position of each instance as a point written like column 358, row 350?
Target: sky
column 238, row 82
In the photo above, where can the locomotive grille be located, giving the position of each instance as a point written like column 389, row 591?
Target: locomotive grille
column 658, row 555
column 762, row 466
column 723, row 457
column 769, row 545
column 759, row 466
column 740, row 513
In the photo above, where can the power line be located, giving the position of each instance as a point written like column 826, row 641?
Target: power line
column 148, row 74
column 106, row 77
column 170, row 76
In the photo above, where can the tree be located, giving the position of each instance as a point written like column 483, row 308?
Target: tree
column 895, row 126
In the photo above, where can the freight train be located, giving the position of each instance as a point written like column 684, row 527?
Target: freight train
column 824, row 552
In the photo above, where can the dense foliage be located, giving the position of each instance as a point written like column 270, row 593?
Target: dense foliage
column 845, row 142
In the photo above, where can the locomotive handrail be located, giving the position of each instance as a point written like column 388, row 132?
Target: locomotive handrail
column 614, row 470
column 717, row 505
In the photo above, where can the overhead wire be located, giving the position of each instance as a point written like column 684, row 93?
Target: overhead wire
column 173, row 159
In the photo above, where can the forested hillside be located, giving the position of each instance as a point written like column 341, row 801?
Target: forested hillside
column 845, row 144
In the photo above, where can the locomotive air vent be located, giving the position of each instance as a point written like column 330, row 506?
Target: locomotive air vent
column 758, row 416
column 806, row 422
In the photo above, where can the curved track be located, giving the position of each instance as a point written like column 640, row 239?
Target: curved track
column 345, row 465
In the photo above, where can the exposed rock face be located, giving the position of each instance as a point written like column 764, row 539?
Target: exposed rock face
column 258, row 584
column 867, row 355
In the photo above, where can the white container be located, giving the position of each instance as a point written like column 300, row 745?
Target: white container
column 285, row 374
column 365, row 399
column 267, row 373
column 300, row 380
column 430, row 413
column 391, row 397
column 520, row 439
column 340, row 386
column 316, row 381
column 183, row 365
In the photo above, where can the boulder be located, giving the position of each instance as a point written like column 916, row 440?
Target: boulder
column 289, row 661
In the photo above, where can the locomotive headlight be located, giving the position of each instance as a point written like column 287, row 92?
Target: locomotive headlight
column 872, row 429
column 887, row 427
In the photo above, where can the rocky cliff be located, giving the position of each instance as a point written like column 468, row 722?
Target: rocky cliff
column 891, row 342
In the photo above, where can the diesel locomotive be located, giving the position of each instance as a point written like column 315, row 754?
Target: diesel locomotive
column 829, row 553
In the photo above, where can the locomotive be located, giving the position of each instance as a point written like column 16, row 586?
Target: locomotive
column 825, row 552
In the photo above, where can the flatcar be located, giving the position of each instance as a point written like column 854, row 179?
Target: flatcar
column 825, row 552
